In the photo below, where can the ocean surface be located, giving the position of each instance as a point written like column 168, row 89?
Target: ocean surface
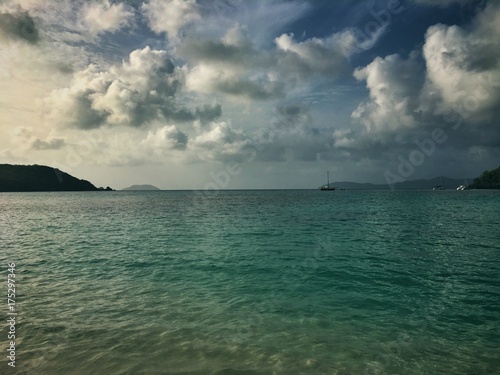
column 253, row 282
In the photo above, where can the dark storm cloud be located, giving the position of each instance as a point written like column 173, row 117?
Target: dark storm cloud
column 179, row 140
column 289, row 116
column 83, row 116
column 208, row 113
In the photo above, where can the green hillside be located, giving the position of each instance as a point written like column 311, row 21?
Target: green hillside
column 488, row 180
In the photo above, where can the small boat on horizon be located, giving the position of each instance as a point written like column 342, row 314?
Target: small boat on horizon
column 439, row 187
column 463, row 187
column 327, row 186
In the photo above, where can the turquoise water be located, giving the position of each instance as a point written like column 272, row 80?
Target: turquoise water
column 254, row 282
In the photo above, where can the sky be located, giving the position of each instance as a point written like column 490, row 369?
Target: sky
column 234, row 94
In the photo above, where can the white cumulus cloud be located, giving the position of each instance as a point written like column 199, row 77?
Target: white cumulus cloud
column 102, row 16
column 453, row 85
column 134, row 93
column 394, row 85
column 463, row 73
column 170, row 16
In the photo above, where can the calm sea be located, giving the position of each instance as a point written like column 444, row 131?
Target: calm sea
column 253, row 282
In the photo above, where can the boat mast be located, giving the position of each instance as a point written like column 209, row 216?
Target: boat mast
column 328, row 179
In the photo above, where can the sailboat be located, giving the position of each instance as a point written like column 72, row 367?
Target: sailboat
column 463, row 187
column 439, row 187
column 327, row 186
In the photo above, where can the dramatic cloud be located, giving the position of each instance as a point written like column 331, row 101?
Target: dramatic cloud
column 208, row 113
column 19, row 26
column 235, row 67
column 134, row 93
column 326, row 84
column 454, row 90
column 394, row 85
column 462, row 67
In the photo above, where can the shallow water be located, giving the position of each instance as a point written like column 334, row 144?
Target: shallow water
column 254, row 282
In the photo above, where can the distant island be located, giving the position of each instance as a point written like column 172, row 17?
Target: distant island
column 488, row 180
column 448, row 183
column 141, row 188
column 29, row 178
